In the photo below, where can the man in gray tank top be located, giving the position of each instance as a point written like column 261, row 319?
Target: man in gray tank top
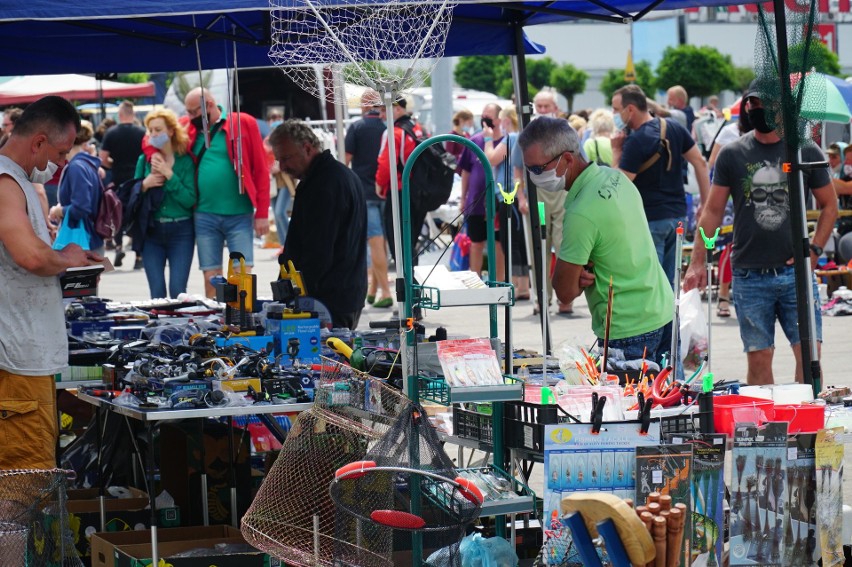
column 33, row 344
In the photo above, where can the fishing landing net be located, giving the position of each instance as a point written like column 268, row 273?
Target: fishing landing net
column 406, row 483
column 35, row 529
column 292, row 516
column 807, row 57
column 351, row 40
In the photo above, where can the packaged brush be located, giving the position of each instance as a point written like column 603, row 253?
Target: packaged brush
column 666, row 470
column 829, row 495
column 800, row 525
column 708, row 482
column 758, row 493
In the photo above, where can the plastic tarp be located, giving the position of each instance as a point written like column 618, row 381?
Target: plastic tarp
column 45, row 36
column 21, row 90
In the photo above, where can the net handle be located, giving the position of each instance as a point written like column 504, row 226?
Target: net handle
column 359, row 469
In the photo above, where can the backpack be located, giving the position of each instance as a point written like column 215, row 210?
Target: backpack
column 431, row 176
column 108, row 219
column 664, row 149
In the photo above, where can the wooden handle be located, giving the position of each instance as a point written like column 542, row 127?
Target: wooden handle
column 665, row 502
column 654, row 508
column 659, row 532
column 654, row 497
column 675, row 537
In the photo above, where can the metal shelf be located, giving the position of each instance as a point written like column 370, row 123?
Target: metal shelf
column 497, row 293
column 437, row 390
column 168, row 414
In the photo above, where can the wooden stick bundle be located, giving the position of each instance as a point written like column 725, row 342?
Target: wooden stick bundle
column 665, row 524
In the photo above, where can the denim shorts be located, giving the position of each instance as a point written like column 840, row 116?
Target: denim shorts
column 635, row 347
column 212, row 232
column 375, row 218
column 762, row 296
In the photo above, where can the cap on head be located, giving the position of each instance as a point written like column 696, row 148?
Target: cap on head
column 756, row 89
column 402, row 103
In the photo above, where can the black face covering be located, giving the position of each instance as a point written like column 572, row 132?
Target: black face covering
column 198, row 122
column 757, row 117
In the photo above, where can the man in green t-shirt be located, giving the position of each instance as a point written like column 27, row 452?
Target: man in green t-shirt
column 605, row 236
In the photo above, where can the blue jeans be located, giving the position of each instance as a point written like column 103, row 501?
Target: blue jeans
column 172, row 242
column 665, row 237
column 634, row 347
column 762, row 296
column 212, row 232
column 282, row 221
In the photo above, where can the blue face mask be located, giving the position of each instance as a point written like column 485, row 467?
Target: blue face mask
column 619, row 123
column 159, row 140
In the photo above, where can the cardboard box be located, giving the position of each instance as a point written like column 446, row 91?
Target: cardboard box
column 303, row 335
column 104, row 544
column 181, row 467
column 139, row 555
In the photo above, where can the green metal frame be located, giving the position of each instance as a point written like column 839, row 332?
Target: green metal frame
column 499, row 456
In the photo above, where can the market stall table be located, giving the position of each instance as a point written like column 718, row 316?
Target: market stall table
column 149, row 417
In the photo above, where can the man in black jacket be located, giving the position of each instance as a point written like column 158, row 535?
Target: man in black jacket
column 327, row 238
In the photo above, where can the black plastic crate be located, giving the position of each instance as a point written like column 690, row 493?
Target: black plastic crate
column 470, row 424
column 687, row 423
column 524, row 423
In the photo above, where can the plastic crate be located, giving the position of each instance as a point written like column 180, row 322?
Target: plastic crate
column 470, row 424
column 524, row 424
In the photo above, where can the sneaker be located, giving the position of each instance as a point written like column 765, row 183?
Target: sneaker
column 384, row 302
column 137, row 265
column 119, row 258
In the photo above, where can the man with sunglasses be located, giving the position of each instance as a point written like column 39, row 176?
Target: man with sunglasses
column 606, row 238
column 750, row 171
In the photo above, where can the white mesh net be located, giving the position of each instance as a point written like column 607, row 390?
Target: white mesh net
column 389, row 47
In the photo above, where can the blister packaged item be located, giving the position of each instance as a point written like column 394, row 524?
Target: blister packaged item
column 829, row 496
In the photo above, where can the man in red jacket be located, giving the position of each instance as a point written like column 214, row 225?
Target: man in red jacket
column 232, row 183
column 404, row 146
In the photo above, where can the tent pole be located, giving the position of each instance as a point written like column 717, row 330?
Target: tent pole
column 522, row 99
column 811, row 370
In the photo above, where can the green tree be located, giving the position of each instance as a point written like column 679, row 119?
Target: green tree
column 702, row 71
column 819, row 58
column 539, row 71
column 133, row 77
column 743, row 76
column 185, row 82
column 568, row 81
column 481, row 72
column 506, row 89
column 614, row 80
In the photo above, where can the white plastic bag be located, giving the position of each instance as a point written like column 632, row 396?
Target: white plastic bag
column 693, row 330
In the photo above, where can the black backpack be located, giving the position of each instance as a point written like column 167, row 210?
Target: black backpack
column 431, row 176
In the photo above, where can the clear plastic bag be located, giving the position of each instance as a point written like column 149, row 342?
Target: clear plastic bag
column 693, row 330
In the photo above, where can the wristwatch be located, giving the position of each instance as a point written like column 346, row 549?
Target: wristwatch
column 817, row 250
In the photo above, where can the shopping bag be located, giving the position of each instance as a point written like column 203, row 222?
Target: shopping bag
column 693, row 330
column 460, row 254
column 68, row 235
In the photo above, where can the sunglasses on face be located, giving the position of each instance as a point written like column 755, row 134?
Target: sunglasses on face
column 539, row 169
column 778, row 196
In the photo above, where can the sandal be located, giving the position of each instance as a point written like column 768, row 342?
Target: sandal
column 724, row 308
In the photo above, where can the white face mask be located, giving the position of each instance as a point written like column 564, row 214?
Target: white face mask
column 847, row 170
column 43, row 175
column 548, row 180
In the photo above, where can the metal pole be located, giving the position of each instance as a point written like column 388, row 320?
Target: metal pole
column 811, row 371
column 675, row 352
column 522, row 99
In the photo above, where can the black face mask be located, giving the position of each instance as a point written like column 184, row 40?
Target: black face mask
column 198, row 122
column 486, row 121
column 757, row 117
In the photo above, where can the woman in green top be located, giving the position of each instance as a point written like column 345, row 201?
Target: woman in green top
column 166, row 167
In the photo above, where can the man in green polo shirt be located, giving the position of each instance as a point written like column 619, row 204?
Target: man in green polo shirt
column 233, row 183
column 605, row 235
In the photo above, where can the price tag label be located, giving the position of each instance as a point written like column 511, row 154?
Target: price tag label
column 657, row 477
column 719, row 441
column 528, row 436
column 759, row 438
column 677, row 440
column 792, row 453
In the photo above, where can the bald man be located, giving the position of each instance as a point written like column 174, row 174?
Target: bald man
column 232, row 182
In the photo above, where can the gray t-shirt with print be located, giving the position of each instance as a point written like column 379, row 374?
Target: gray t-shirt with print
column 752, row 170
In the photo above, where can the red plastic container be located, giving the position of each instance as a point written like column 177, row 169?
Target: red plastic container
column 729, row 410
column 803, row 418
